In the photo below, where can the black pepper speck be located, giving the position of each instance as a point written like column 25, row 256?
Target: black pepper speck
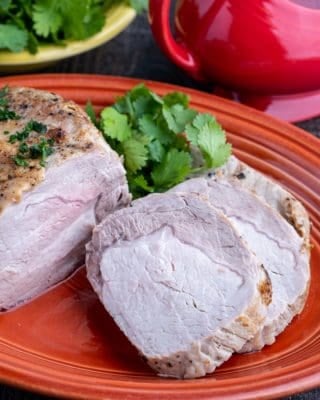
column 241, row 175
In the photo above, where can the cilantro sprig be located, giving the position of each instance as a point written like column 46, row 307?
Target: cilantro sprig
column 159, row 137
column 25, row 24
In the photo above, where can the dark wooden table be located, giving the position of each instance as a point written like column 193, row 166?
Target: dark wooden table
column 134, row 53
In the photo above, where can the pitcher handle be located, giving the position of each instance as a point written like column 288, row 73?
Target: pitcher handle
column 159, row 14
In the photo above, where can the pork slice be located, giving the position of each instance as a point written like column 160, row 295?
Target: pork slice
column 179, row 282
column 274, row 241
column 271, row 192
column 47, row 212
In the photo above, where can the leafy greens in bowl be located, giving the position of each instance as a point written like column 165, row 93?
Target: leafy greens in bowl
column 35, row 33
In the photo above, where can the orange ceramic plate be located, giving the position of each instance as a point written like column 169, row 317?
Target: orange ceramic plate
column 63, row 343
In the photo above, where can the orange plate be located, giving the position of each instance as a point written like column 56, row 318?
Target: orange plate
column 63, row 343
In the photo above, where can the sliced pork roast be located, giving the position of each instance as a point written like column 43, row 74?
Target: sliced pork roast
column 47, row 211
column 271, row 192
column 179, row 281
column 274, row 241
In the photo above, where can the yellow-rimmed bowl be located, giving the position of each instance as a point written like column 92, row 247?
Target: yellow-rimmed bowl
column 117, row 19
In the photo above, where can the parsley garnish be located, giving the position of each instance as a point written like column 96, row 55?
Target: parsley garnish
column 159, row 137
column 37, row 127
column 24, row 25
column 5, row 112
column 41, row 149
column 23, row 148
column 20, row 161
column 24, row 134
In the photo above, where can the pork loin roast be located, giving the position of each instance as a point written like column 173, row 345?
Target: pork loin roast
column 274, row 241
column 47, row 211
column 271, row 192
column 179, row 281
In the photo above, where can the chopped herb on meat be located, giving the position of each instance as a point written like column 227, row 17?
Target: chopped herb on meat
column 5, row 113
column 40, row 147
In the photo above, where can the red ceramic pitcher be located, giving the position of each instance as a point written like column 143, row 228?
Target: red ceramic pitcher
column 265, row 53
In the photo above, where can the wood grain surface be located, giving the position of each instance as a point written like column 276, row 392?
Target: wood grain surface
column 134, row 53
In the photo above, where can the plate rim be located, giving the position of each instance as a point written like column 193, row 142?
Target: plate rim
column 70, row 79
column 310, row 377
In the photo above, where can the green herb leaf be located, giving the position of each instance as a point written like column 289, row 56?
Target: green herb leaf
column 12, row 139
column 139, row 101
column 212, row 143
column 32, row 44
column 192, row 134
column 177, row 117
column 91, row 113
column 36, row 126
column 12, row 38
column 139, row 5
column 156, row 137
column 192, row 129
column 41, row 150
column 142, row 183
column 173, row 98
column 23, row 148
column 6, row 114
column 135, row 155
column 115, row 125
column 81, row 19
column 3, row 93
column 5, row 5
column 20, row 161
column 46, row 17
column 155, row 130
column 139, row 186
column 174, row 168
column 156, row 151
column 27, row 24
column 202, row 119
